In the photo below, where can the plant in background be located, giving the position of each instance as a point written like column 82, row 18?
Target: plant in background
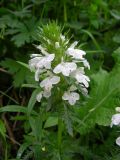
column 116, row 121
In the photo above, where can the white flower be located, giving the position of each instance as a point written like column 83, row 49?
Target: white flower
column 75, row 53
column 117, row 109
column 39, row 96
column 45, row 61
column 118, row 141
column 65, row 68
column 71, row 97
column 78, row 74
column 47, row 84
column 57, row 45
column 115, row 119
column 41, row 62
column 33, row 62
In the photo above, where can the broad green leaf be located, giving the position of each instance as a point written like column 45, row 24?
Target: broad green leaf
column 51, row 121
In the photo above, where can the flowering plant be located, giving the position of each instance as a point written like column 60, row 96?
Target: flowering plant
column 59, row 66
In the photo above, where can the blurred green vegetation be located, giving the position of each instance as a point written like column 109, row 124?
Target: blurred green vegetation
column 96, row 25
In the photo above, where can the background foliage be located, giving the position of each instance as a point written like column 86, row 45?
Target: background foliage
column 95, row 24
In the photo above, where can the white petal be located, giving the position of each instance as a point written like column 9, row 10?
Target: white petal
column 51, row 57
column 117, row 109
column 115, row 119
column 39, row 96
column 66, row 96
column 37, row 74
column 43, row 50
column 74, row 44
column 118, row 141
column 86, row 64
column 44, row 82
column 57, row 69
column 33, row 62
column 55, row 80
column 72, row 101
column 75, row 95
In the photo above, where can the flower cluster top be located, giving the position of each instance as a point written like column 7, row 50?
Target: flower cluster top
column 63, row 65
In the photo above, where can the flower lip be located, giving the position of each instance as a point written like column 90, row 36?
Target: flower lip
column 71, row 97
column 65, row 68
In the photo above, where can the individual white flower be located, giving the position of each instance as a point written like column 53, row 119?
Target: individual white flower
column 75, row 53
column 47, row 84
column 65, row 68
column 78, row 74
column 118, row 141
column 71, row 97
column 41, row 62
column 33, row 62
column 39, row 96
column 57, row 45
column 115, row 119
column 45, row 61
column 117, row 109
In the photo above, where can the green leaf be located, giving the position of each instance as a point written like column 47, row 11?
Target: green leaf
column 32, row 100
column 13, row 108
column 22, row 149
column 51, row 121
column 36, row 125
column 19, row 70
column 2, row 129
column 104, row 97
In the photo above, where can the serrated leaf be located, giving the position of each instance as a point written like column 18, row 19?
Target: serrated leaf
column 19, row 70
